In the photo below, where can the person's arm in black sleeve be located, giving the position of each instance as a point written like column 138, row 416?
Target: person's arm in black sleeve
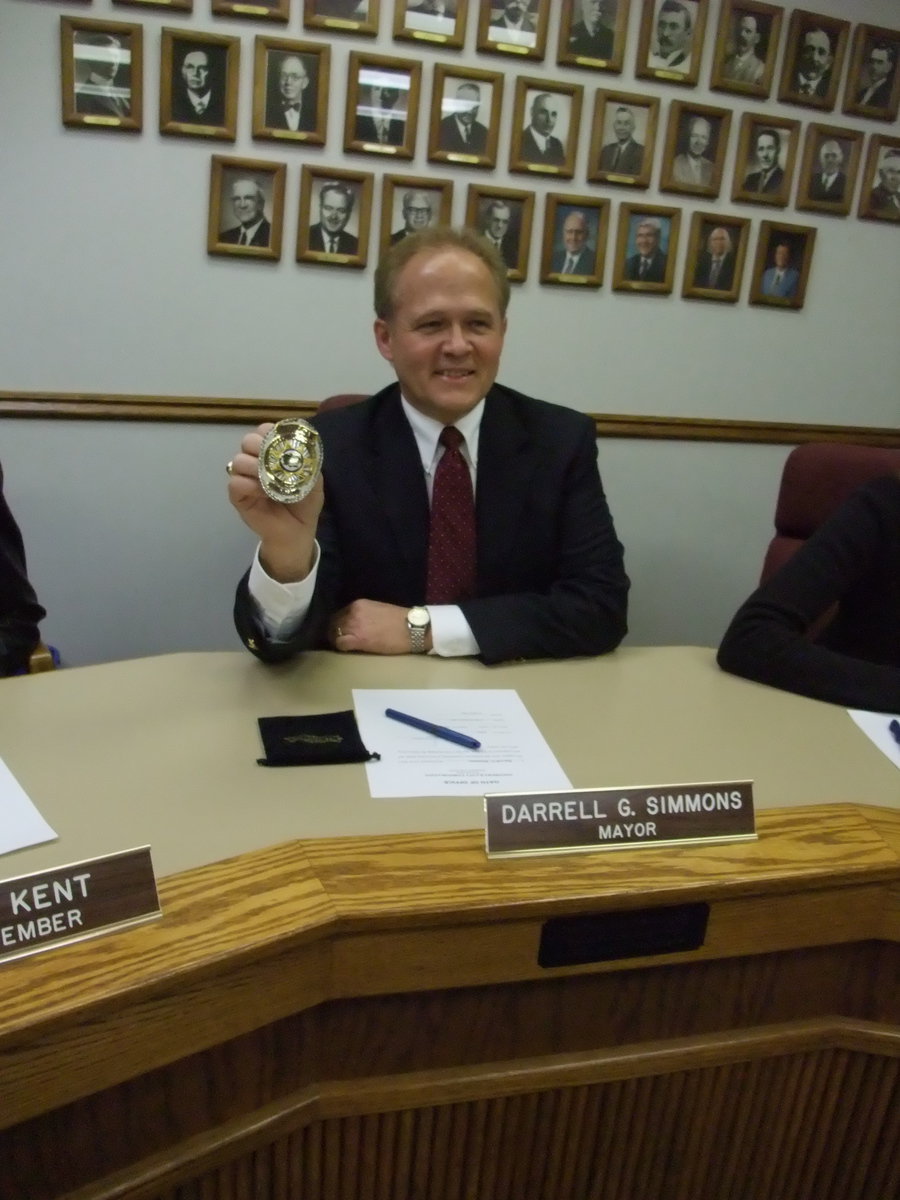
column 20, row 612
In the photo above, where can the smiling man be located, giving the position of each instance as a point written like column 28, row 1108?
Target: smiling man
column 360, row 564
column 248, row 201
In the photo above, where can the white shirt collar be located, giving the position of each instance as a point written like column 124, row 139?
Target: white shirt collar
column 427, row 431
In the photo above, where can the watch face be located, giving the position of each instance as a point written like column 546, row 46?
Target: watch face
column 419, row 617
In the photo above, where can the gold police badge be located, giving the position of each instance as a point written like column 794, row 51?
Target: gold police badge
column 290, row 460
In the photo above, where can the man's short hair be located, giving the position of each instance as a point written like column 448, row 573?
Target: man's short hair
column 343, row 189
column 825, row 34
column 435, row 238
column 767, row 131
column 834, row 147
column 675, row 6
column 260, row 194
column 888, row 48
column 729, row 244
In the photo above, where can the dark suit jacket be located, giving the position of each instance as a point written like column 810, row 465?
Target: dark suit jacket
column 631, row 161
column 185, row 113
column 497, row 19
column 591, row 45
column 366, row 131
column 509, row 249
column 275, row 118
column 884, row 201
column 347, row 243
column 449, row 138
column 726, row 272
column 584, row 263
column 550, row 577
column 554, row 155
column 818, row 190
column 821, row 88
column 773, row 183
column 19, row 609
column 95, row 104
column 880, row 98
column 262, row 237
column 656, row 272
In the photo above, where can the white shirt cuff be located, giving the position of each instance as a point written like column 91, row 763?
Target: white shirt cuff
column 451, row 635
column 281, row 607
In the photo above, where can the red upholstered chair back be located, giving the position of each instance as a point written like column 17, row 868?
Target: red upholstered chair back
column 341, row 400
column 816, row 479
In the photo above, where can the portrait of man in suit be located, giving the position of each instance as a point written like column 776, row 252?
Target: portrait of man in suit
column 290, row 101
column 884, row 198
column 693, row 166
column 745, row 63
column 593, row 34
column 829, row 182
column 198, row 85
column 781, row 280
column 671, row 48
column 624, row 155
column 575, row 256
column 496, row 226
column 649, row 261
column 419, row 208
column 248, row 200
column 815, row 56
column 876, row 81
column 715, row 264
column 514, row 22
column 431, row 16
column 460, row 131
column 102, row 88
column 344, row 9
column 329, row 235
column 767, row 175
column 538, row 142
column 378, row 118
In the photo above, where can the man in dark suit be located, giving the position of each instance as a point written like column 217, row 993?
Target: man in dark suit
column 768, row 176
column 461, row 132
column 19, row 608
column 884, row 198
column 497, row 230
column 330, row 235
column 576, row 257
column 378, row 120
column 672, row 48
column 624, row 156
column 648, row 265
column 292, row 106
column 418, row 214
column 829, row 182
column 351, row 560
column 538, row 143
column 812, row 76
column 248, row 201
column 879, row 75
column 98, row 94
column 516, row 18
column 715, row 266
column 196, row 98
column 593, row 36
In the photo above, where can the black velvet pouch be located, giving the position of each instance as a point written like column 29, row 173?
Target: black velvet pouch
column 310, row 741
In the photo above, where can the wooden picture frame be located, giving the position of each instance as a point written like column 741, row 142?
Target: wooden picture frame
column 510, row 228
column 873, row 81
column 465, row 116
column 623, row 138
column 102, row 70
column 746, row 47
column 549, row 113
column 255, row 10
column 828, row 169
column 670, row 44
column 334, row 204
column 880, row 195
column 496, row 37
column 410, row 203
column 246, row 208
column 717, row 248
column 290, row 90
column 198, row 84
column 382, row 93
column 179, row 6
column 650, row 232
column 599, row 46
column 797, row 243
column 762, row 169
column 813, row 57
column 414, row 22
column 573, row 248
column 694, row 155
column 342, row 16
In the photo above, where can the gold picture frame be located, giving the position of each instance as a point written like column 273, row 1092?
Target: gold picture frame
column 598, row 48
column 813, row 58
column 646, row 246
column 623, row 138
column 246, row 208
column 541, row 108
column 342, row 16
column 255, row 10
column 879, row 198
column 781, row 268
column 417, row 22
column 335, row 216
column 573, row 247
column 102, row 69
column 717, row 249
column 828, row 169
column 466, row 105
column 746, row 47
column 873, row 81
column 382, row 105
column 528, row 40
column 410, row 203
column 504, row 217
column 670, row 44
column 764, row 165
column 694, row 154
column 290, row 90
column 198, row 84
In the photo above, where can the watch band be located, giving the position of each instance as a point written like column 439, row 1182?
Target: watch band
column 417, row 639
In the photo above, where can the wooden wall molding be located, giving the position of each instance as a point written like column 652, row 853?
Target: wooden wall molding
column 98, row 406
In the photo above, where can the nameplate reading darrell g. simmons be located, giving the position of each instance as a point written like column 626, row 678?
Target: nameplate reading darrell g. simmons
column 66, row 904
column 618, row 818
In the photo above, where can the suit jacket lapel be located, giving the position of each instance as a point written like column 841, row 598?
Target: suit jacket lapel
column 508, row 464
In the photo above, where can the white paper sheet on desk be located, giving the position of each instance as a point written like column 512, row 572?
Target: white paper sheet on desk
column 21, row 824
column 875, row 726
column 513, row 757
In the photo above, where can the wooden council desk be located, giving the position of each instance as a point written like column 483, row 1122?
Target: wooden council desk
column 343, row 998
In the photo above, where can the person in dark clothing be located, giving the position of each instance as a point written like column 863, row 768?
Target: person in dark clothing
column 19, row 608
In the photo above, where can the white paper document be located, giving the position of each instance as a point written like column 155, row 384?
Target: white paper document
column 513, row 757
column 21, row 824
column 877, row 726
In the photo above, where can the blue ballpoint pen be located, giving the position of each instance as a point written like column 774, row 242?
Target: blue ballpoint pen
column 894, row 727
column 441, row 731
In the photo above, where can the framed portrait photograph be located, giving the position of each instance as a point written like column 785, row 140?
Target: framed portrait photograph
column 873, row 81
column 828, row 169
column 182, row 6
column 335, row 214
column 410, row 204
column 813, row 59
column 592, row 34
column 671, row 40
column 781, row 269
column 198, row 84
column 257, row 10
column 290, row 90
column 513, row 27
column 503, row 216
column 765, row 159
column 646, row 244
column 746, row 47
column 342, row 16
column 439, row 22
column 465, row 116
column 246, row 207
column 545, row 127
column 694, row 155
column 102, row 74
column 715, row 259
column 880, row 196
column 573, row 251
column 623, row 136
column 382, row 105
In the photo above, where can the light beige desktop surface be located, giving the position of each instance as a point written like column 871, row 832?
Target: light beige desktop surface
column 162, row 751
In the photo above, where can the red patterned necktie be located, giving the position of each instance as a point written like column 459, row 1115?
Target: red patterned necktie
column 451, row 542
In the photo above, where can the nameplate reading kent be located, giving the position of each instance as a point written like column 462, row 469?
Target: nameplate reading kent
column 67, row 904
column 618, row 818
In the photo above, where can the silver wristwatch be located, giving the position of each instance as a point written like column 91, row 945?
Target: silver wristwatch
column 418, row 622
